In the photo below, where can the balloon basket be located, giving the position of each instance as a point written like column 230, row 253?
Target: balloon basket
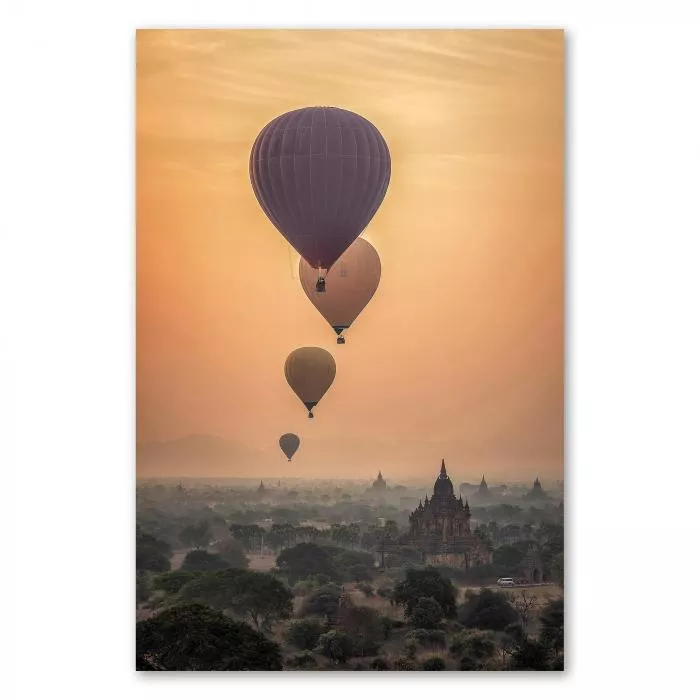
column 340, row 341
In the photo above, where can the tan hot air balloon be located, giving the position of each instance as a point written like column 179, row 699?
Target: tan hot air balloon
column 289, row 443
column 310, row 372
column 350, row 284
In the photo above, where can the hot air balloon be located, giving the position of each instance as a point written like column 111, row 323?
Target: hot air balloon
column 310, row 372
column 289, row 443
column 353, row 280
column 320, row 174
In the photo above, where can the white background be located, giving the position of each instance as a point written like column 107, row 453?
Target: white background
column 67, row 341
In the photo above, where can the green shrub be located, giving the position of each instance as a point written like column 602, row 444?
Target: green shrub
column 201, row 560
column 387, row 626
column 431, row 639
column 172, row 581
column 489, row 610
column 323, row 601
column 304, row 634
column 305, row 660
column 359, row 572
column 405, row 664
column 367, row 589
column 469, row 664
column 426, row 583
column 336, row 646
column 144, row 586
column 426, row 614
column 475, row 647
column 434, row 663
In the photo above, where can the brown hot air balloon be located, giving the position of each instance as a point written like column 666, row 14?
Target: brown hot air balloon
column 289, row 443
column 320, row 174
column 310, row 372
column 350, row 284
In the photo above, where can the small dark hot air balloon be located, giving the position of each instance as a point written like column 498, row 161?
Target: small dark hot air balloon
column 310, row 372
column 289, row 443
column 320, row 174
column 352, row 282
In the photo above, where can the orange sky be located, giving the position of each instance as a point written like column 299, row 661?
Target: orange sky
column 460, row 353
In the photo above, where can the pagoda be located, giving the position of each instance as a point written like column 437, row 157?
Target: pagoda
column 483, row 492
column 379, row 483
column 440, row 530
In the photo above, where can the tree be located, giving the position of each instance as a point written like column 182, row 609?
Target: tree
column 143, row 539
column 432, row 639
column 434, row 663
column 404, row 663
column 196, row 535
column 281, row 535
column 529, row 655
column 250, row 536
column 303, row 661
column 172, row 581
column 336, row 646
column 364, row 627
column 150, row 559
column 366, row 588
column 231, row 551
column 196, row 638
column 304, row 560
column 347, row 558
column 426, row 614
column 525, row 605
column 199, row 560
column 304, row 634
column 487, row 610
column 508, row 557
column 144, row 586
column 552, row 625
column 359, row 572
column 553, row 554
column 213, row 588
column 323, row 602
column 425, row 583
column 556, row 568
column 476, row 647
column 262, row 597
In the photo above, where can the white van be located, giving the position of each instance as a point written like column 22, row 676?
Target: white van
column 505, row 582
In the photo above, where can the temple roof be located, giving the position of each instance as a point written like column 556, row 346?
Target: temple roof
column 443, row 484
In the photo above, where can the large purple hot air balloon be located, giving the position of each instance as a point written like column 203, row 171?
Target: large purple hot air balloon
column 320, row 174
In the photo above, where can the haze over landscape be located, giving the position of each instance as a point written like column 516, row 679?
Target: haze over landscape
column 416, row 521
column 460, row 352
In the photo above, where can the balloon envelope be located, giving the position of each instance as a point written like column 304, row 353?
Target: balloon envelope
column 320, row 174
column 310, row 372
column 289, row 443
column 350, row 284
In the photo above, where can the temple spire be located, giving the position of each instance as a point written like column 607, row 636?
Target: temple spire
column 443, row 471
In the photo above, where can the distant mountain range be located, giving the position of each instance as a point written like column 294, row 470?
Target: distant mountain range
column 199, row 455
column 214, row 456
